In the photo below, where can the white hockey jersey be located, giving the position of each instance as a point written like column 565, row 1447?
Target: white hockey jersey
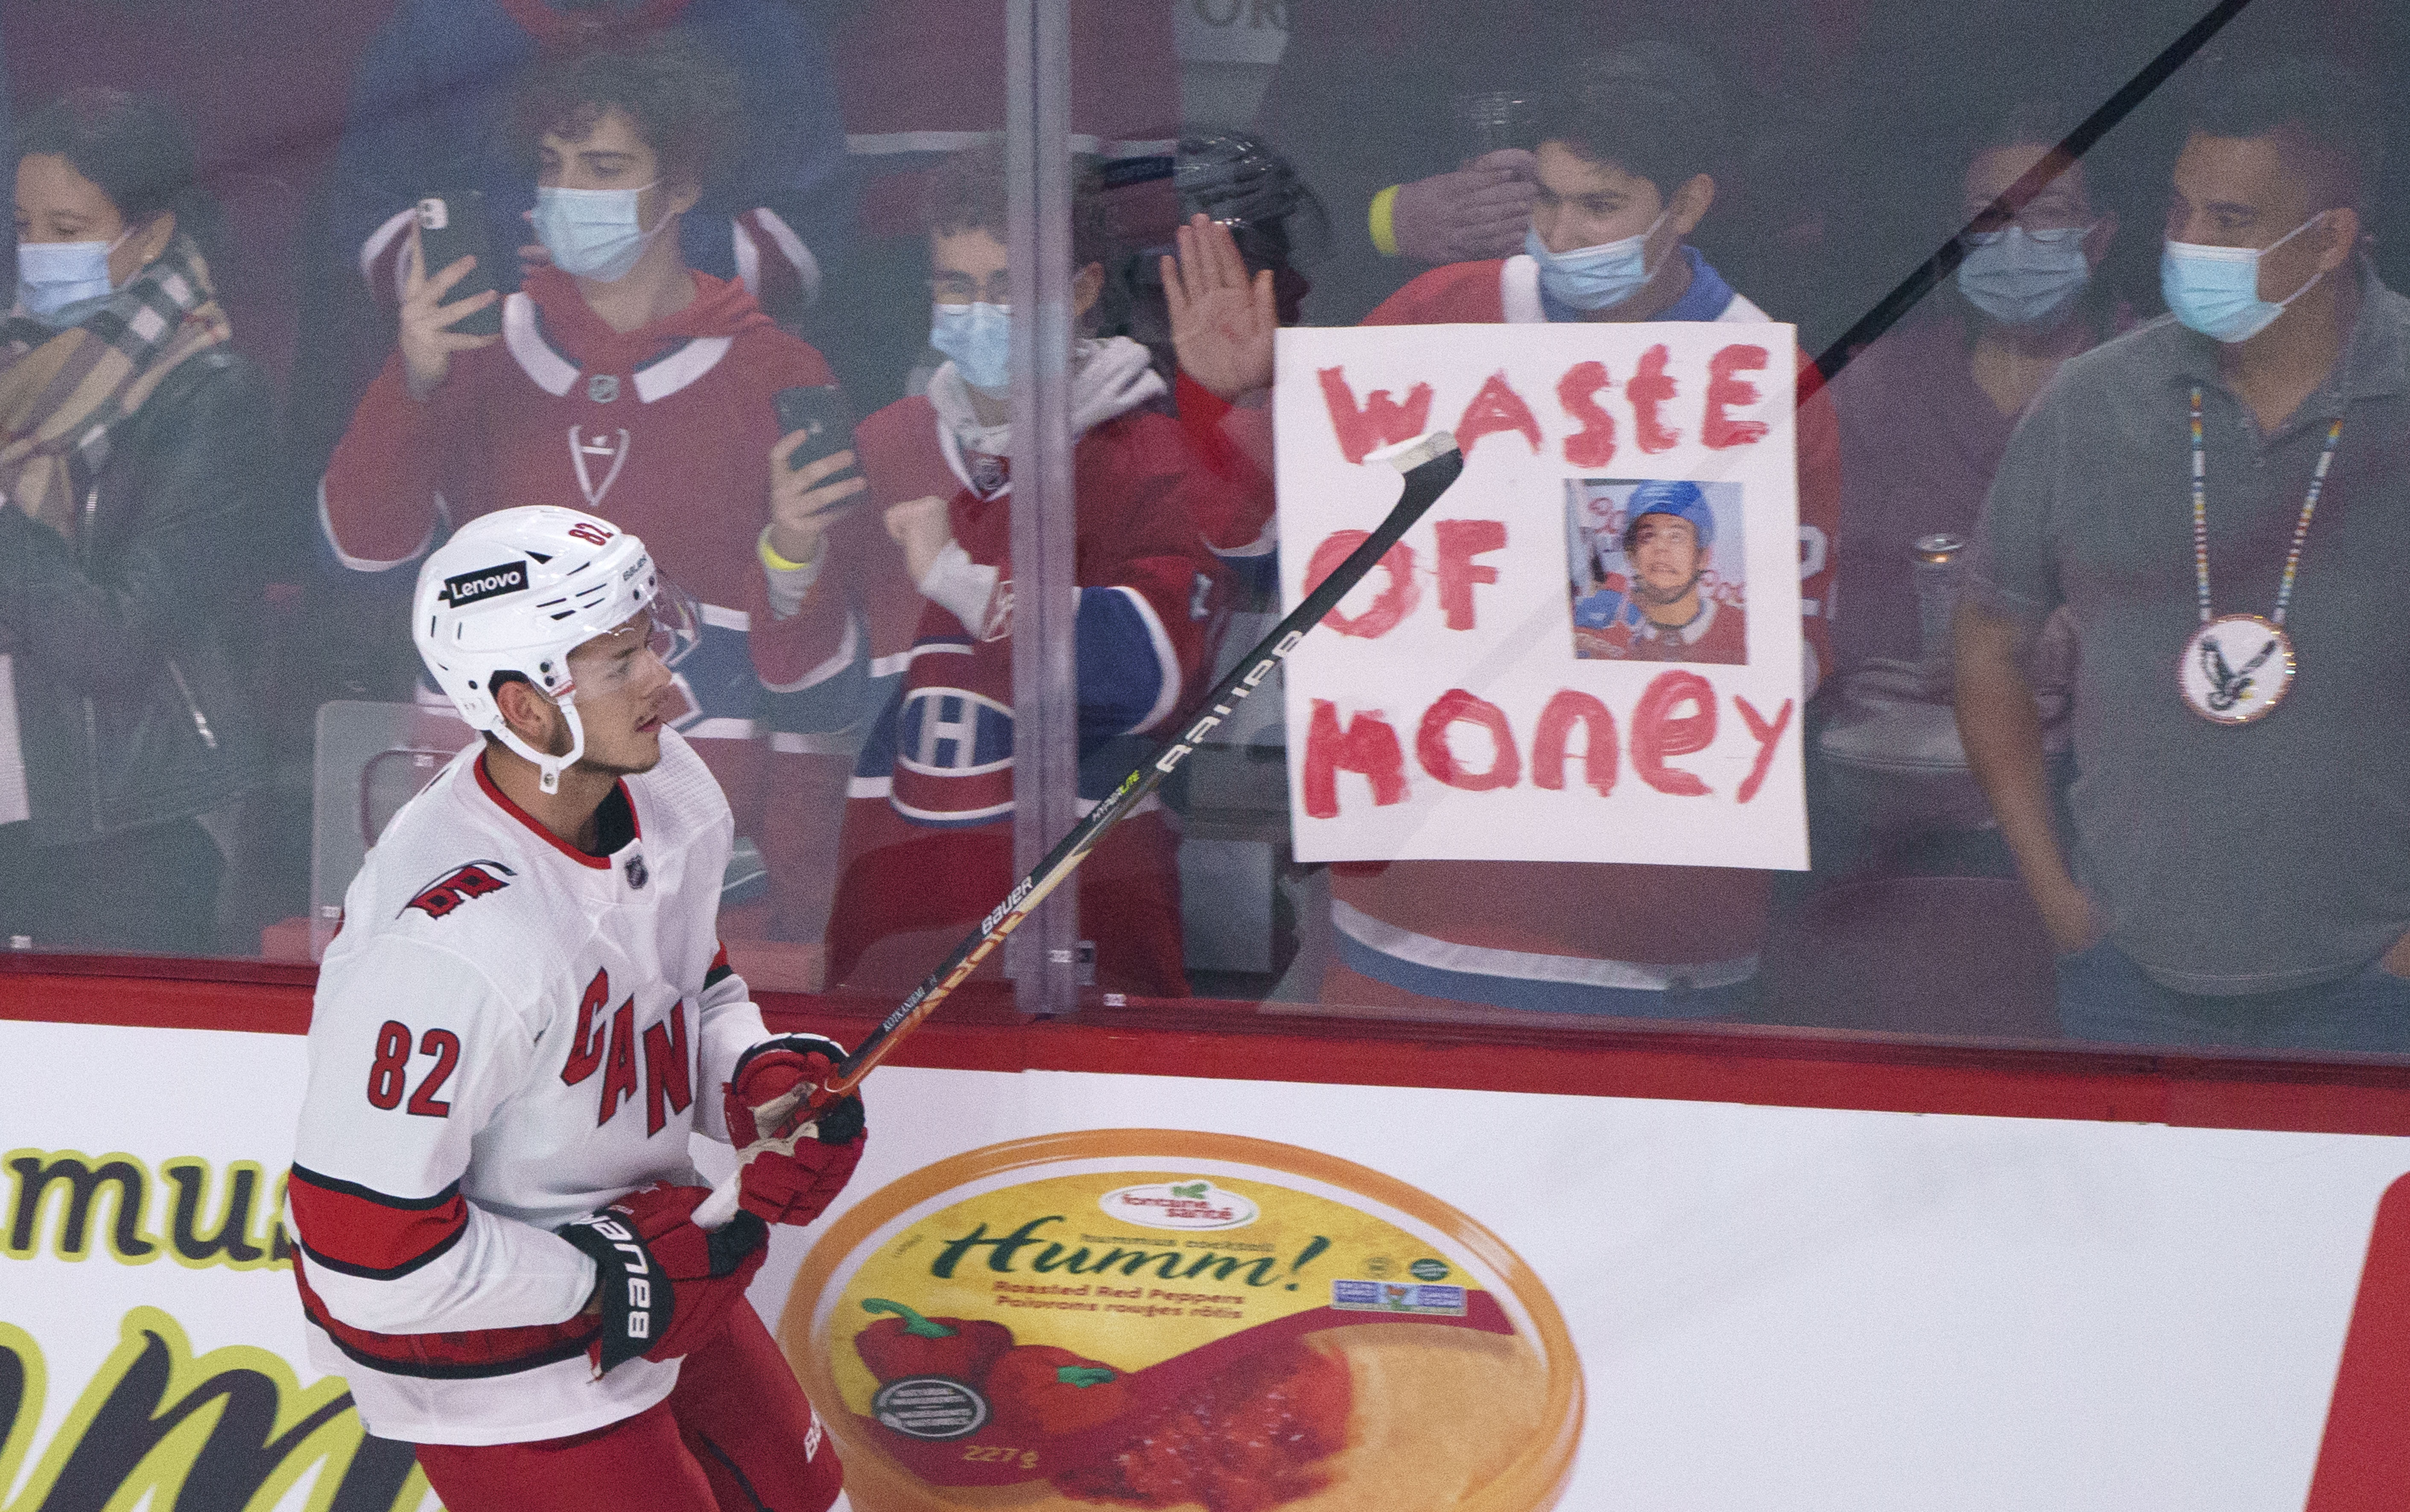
column 509, row 1033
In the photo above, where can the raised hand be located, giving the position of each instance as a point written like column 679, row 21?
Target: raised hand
column 1479, row 211
column 428, row 340
column 1222, row 321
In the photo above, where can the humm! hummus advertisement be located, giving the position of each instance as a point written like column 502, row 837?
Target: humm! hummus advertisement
column 1143, row 1317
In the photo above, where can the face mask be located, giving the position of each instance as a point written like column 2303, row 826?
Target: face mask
column 593, row 233
column 61, row 283
column 1594, row 278
column 2215, row 290
column 2020, row 278
column 979, row 337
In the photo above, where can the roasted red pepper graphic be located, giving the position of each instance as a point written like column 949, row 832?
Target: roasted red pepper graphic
column 908, row 1345
column 1245, row 1441
column 1036, row 1390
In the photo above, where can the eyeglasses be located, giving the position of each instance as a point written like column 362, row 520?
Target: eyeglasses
column 2042, row 225
column 954, row 288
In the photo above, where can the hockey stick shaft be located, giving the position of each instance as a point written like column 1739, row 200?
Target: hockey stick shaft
column 1425, row 481
column 1436, row 464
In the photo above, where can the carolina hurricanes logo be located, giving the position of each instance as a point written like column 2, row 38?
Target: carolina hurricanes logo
column 457, row 886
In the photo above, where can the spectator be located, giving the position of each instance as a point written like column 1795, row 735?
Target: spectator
column 629, row 384
column 2242, row 831
column 1926, row 411
column 1623, row 175
column 928, row 842
column 132, row 446
column 1925, row 414
column 921, row 80
column 430, row 110
column 1414, row 121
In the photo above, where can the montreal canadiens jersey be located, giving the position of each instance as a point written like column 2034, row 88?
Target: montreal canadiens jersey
column 509, row 1033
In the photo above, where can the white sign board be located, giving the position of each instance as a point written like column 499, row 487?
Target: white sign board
column 1589, row 648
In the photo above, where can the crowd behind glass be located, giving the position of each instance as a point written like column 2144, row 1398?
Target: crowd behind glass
column 2099, row 549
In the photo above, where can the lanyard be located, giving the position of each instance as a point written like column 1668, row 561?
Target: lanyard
column 2200, row 514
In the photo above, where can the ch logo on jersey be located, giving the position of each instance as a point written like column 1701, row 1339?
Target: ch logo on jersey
column 954, row 757
column 474, row 879
column 587, row 453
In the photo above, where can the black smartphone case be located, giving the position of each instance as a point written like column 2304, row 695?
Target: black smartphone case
column 452, row 226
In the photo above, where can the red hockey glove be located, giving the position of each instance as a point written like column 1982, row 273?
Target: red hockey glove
column 666, row 1284
column 797, row 1158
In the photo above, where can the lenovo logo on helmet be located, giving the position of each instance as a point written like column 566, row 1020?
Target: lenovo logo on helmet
column 465, row 589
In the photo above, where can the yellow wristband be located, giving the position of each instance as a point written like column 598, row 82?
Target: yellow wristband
column 1384, row 221
column 771, row 559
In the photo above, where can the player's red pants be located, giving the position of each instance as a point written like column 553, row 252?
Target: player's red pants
column 735, row 1436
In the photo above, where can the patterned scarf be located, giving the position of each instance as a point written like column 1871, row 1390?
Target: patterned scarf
column 64, row 393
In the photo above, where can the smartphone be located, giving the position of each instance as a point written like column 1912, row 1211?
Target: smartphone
column 825, row 415
column 452, row 226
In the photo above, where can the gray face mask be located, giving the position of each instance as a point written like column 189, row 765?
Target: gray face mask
column 2022, row 278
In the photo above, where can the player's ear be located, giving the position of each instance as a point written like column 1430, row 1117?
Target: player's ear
column 530, row 713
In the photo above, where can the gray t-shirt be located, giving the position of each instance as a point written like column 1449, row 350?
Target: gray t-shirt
column 2227, row 859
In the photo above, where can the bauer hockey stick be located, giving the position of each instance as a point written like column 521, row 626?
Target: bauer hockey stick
column 1431, row 463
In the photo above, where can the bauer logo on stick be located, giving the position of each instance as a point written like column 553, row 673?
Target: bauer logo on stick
column 464, row 589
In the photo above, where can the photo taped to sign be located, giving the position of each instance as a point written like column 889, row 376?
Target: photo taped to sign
column 1645, row 566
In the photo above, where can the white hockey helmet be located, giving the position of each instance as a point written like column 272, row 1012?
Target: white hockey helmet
column 517, row 590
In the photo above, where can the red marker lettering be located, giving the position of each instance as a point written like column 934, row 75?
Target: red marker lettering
column 1367, row 746
column 1380, row 422
column 1558, row 721
column 1432, row 748
column 1593, row 444
column 1658, row 732
column 1459, row 542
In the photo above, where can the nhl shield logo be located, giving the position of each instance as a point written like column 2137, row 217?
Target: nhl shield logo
column 603, row 387
column 637, row 874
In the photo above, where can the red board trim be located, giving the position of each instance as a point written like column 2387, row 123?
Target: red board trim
column 1276, row 1042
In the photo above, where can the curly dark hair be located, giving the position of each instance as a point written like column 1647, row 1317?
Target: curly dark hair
column 683, row 102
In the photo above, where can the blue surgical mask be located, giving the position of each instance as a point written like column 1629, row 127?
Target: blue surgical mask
column 1594, row 278
column 593, row 233
column 61, row 284
column 2022, row 278
column 2215, row 290
column 979, row 337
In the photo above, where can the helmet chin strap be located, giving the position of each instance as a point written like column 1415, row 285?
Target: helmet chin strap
column 548, row 767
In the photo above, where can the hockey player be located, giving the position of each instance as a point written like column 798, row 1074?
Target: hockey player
column 927, row 844
column 628, row 384
column 1669, row 539
column 525, row 1016
column 1623, row 178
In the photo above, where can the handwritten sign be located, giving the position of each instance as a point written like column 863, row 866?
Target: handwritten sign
column 1589, row 649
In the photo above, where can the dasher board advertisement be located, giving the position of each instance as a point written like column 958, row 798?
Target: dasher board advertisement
column 1055, row 1291
column 1591, row 649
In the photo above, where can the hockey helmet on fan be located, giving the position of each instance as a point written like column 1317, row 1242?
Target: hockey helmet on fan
column 515, row 592
column 1235, row 178
column 1670, row 496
